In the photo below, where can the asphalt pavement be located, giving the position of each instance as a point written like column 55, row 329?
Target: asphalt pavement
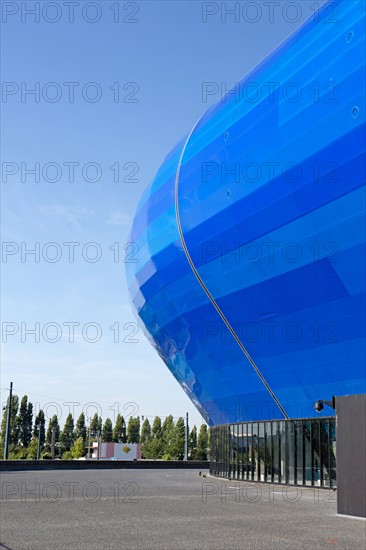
column 167, row 509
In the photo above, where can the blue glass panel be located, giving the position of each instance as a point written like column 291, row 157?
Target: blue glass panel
column 270, row 194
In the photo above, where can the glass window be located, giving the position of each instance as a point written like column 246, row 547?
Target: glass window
column 332, row 452
column 268, row 446
column 223, row 451
column 239, row 432
column 276, row 437
column 325, row 455
column 290, row 451
column 255, row 459
column 307, row 452
column 245, row 452
column 316, row 449
column 298, row 452
column 231, row 450
column 283, row 450
column 243, row 447
column 227, row 452
column 250, row 451
column 261, row 452
column 301, row 452
column 235, row 451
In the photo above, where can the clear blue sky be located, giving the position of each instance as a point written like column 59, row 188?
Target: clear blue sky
column 167, row 53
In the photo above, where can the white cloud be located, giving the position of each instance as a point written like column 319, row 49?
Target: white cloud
column 117, row 217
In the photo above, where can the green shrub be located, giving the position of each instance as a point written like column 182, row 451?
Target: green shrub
column 46, row 456
column 67, row 456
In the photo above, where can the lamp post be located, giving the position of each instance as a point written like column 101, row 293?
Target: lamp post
column 39, row 440
column 89, row 437
column 99, row 445
column 186, row 440
column 53, row 439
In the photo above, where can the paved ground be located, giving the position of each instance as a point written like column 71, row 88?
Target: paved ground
column 151, row 509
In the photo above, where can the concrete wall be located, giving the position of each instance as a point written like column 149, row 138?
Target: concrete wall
column 27, row 465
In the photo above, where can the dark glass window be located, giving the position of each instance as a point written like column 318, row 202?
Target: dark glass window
column 332, row 452
column 255, row 461
column 290, row 453
column 296, row 452
column 276, row 438
column 250, row 452
column 261, row 452
column 316, row 449
column 268, row 445
column 307, row 452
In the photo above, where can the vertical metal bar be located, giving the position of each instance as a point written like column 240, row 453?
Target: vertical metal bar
column 259, row 452
column 320, row 423
column 287, row 472
column 247, row 453
column 311, row 453
column 186, row 439
column 237, row 450
column 303, row 452
column 272, row 466
column 295, row 452
column 241, row 451
column 330, row 454
column 279, row 457
column 265, row 450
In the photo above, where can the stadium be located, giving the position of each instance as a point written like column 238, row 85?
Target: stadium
column 250, row 282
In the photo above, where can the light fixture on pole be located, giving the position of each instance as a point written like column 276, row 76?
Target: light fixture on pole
column 319, row 405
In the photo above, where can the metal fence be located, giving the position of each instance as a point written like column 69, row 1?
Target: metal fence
column 294, row 452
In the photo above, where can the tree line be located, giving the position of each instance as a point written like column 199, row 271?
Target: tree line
column 161, row 440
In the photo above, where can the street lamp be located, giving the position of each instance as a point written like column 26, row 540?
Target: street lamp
column 89, row 437
column 186, row 444
column 39, row 440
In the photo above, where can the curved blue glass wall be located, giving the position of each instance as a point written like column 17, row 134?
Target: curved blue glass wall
column 250, row 280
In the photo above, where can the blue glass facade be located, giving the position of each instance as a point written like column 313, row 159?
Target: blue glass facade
column 250, row 279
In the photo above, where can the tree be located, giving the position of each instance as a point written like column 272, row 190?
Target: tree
column 202, row 443
column 53, row 423
column 167, row 434
column 80, row 428
column 24, row 421
column 119, row 432
column 133, row 430
column 99, row 425
column 192, row 445
column 94, row 425
column 13, row 436
column 32, row 449
column 153, row 447
column 77, row 450
column 145, row 431
column 67, row 434
column 178, row 440
column 156, row 427
column 107, row 433
column 39, row 429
